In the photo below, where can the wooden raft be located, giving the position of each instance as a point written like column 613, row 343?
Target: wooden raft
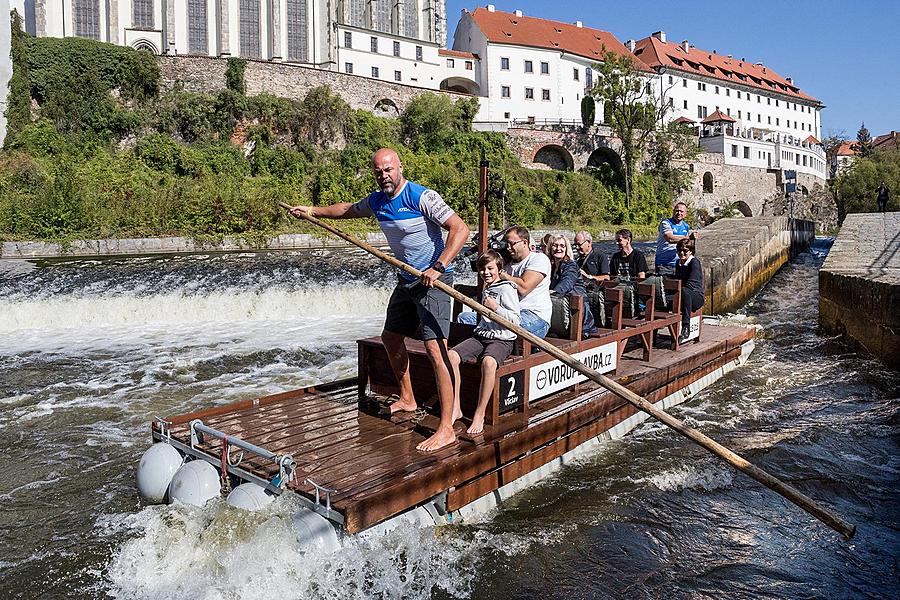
column 371, row 460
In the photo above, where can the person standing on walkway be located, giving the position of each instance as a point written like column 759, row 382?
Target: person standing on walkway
column 411, row 217
column 670, row 231
column 883, row 197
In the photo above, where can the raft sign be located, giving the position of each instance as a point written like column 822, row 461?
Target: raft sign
column 553, row 376
column 695, row 330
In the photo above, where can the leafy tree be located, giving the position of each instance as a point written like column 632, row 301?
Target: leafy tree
column 670, row 148
column 856, row 189
column 631, row 109
column 588, row 111
column 830, row 144
column 863, row 141
column 431, row 121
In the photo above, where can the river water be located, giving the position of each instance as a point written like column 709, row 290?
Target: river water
column 90, row 351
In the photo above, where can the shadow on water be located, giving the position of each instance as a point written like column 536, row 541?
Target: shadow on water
column 647, row 516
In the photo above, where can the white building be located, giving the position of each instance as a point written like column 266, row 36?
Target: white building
column 307, row 32
column 769, row 122
column 532, row 69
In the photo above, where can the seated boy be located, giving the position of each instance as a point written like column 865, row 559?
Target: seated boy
column 492, row 343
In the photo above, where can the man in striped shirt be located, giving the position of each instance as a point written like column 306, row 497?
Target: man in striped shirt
column 411, row 217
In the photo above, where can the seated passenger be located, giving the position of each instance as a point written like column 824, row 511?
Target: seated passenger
column 529, row 271
column 689, row 270
column 565, row 279
column 626, row 264
column 591, row 260
column 492, row 342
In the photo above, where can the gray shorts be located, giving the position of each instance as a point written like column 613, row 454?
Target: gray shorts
column 476, row 347
column 414, row 305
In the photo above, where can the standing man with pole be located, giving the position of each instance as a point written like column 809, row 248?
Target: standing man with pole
column 411, row 217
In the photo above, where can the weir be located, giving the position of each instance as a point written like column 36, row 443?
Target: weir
column 859, row 285
column 741, row 255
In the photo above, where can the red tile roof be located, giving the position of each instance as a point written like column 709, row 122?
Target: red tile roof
column 887, row 141
column 684, row 120
column 506, row 28
column 847, row 148
column 700, row 62
column 457, row 54
column 717, row 117
column 812, row 140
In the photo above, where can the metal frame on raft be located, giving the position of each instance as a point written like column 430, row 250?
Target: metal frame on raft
column 285, row 463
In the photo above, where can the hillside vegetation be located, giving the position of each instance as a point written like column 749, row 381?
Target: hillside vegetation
column 97, row 150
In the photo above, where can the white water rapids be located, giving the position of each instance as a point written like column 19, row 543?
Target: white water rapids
column 91, row 351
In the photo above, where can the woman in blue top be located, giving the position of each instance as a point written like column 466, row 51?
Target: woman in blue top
column 565, row 279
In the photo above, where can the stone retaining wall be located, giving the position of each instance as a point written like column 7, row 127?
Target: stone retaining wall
column 206, row 74
column 859, row 285
column 740, row 255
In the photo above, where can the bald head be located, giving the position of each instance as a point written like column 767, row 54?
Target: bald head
column 388, row 171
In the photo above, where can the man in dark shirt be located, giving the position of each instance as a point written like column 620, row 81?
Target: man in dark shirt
column 883, row 197
column 626, row 263
column 593, row 263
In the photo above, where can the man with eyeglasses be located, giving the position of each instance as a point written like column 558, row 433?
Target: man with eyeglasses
column 529, row 271
column 670, row 232
column 593, row 263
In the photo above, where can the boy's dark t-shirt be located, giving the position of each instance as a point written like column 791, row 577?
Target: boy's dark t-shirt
column 622, row 267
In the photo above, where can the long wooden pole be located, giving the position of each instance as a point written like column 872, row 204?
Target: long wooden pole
column 825, row 515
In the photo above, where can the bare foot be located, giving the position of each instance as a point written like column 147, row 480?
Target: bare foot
column 403, row 405
column 443, row 437
column 457, row 414
column 477, row 425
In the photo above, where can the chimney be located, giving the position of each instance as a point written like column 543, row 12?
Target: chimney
column 579, row 24
column 631, row 45
column 660, row 35
column 491, row 8
column 686, row 46
column 730, row 56
column 518, row 13
column 790, row 80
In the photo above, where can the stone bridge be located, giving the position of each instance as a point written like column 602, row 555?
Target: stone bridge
column 564, row 147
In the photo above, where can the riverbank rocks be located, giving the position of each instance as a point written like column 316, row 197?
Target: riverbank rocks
column 859, row 285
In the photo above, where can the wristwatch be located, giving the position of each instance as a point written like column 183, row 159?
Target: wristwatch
column 439, row 267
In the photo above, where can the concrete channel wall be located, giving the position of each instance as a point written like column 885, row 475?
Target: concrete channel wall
column 859, row 285
column 740, row 255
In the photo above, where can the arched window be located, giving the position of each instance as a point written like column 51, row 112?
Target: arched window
column 410, row 19
column 250, row 28
column 297, row 31
column 707, row 183
column 86, row 18
column 198, row 36
column 142, row 14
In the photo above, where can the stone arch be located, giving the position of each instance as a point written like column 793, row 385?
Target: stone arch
column 708, row 183
column 555, row 157
column 743, row 208
column 146, row 45
column 604, row 155
column 386, row 108
column 460, row 84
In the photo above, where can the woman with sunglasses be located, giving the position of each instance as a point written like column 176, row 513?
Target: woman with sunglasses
column 689, row 270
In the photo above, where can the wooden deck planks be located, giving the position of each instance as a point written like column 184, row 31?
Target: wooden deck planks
column 373, row 463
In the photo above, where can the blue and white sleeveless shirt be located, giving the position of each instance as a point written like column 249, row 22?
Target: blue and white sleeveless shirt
column 411, row 222
column 665, row 250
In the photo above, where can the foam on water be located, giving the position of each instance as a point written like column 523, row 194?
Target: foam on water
column 691, row 478
column 218, row 552
column 82, row 312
